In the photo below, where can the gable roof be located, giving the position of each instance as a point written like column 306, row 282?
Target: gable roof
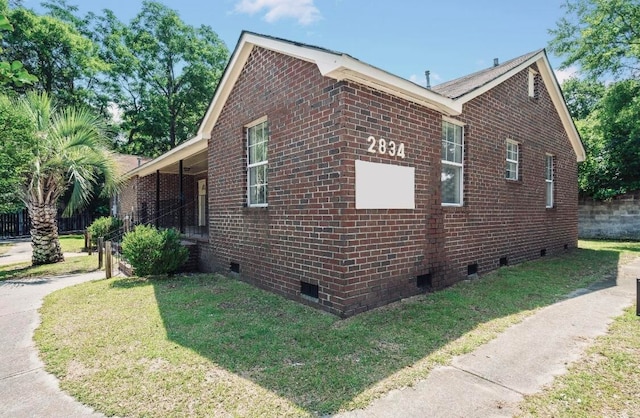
column 460, row 86
column 447, row 98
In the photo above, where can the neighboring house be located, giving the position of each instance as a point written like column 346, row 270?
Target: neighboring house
column 124, row 202
column 332, row 182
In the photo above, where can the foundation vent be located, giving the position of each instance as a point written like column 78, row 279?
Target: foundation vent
column 234, row 267
column 309, row 291
column 423, row 281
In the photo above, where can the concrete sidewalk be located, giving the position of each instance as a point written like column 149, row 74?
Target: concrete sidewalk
column 21, row 251
column 26, row 390
column 491, row 381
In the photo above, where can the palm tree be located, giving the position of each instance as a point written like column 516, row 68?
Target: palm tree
column 69, row 151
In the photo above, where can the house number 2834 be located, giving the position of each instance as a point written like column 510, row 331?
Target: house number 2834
column 382, row 146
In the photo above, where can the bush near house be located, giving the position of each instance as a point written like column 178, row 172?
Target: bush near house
column 151, row 251
column 106, row 227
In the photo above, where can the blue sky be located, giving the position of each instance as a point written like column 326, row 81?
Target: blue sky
column 449, row 38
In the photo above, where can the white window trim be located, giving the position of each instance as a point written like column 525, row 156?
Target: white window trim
column 551, row 181
column 250, row 166
column 516, row 161
column 461, row 165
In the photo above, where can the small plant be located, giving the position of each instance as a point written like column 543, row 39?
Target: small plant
column 151, row 251
column 106, row 227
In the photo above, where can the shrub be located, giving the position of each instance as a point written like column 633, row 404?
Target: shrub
column 106, row 227
column 151, row 251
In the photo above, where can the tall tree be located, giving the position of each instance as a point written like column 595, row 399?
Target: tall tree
column 11, row 73
column 69, row 152
column 165, row 72
column 582, row 96
column 16, row 136
column 65, row 62
column 602, row 36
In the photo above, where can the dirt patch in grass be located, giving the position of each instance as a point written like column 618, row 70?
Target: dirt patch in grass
column 205, row 345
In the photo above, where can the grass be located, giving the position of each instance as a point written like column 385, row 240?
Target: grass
column 205, row 345
column 603, row 383
column 72, row 265
column 72, row 243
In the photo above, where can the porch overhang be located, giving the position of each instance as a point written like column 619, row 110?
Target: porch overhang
column 190, row 150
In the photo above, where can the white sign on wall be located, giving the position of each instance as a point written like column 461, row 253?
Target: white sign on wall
column 384, row 186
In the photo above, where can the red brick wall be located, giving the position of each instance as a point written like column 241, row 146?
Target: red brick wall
column 296, row 238
column 169, row 197
column 360, row 259
column 503, row 218
column 384, row 250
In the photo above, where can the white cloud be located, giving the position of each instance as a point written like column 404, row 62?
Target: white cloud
column 304, row 11
column 567, row 73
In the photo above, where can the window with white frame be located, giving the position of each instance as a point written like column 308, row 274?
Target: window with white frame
column 513, row 151
column 452, row 164
column 257, row 163
column 549, row 180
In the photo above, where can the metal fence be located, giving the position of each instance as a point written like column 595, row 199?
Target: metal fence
column 18, row 224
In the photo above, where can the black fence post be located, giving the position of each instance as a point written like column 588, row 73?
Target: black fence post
column 638, row 297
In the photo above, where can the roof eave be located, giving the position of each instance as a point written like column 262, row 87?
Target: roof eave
column 188, row 148
column 330, row 64
column 554, row 91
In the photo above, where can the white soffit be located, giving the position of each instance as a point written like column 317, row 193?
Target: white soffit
column 182, row 151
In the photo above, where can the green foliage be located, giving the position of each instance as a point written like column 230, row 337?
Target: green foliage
column 163, row 74
column 601, row 36
column 69, row 152
column 611, row 135
column 582, row 96
column 151, row 251
column 16, row 142
column 65, row 62
column 106, row 227
column 12, row 73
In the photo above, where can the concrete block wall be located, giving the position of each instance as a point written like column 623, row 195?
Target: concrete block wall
column 616, row 218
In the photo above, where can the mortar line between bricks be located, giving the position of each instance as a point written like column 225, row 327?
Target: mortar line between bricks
column 488, row 380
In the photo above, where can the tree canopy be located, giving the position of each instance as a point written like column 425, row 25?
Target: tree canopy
column 11, row 73
column 16, row 137
column 64, row 61
column 602, row 36
column 164, row 73
column 155, row 72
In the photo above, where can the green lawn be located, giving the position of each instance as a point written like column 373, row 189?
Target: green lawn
column 72, row 243
column 72, row 265
column 205, row 345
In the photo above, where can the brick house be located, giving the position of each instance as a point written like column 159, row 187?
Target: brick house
column 332, row 182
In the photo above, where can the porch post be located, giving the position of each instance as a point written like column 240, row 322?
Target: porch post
column 181, row 194
column 157, row 198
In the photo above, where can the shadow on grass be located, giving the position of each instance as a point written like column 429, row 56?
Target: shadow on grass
column 321, row 362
